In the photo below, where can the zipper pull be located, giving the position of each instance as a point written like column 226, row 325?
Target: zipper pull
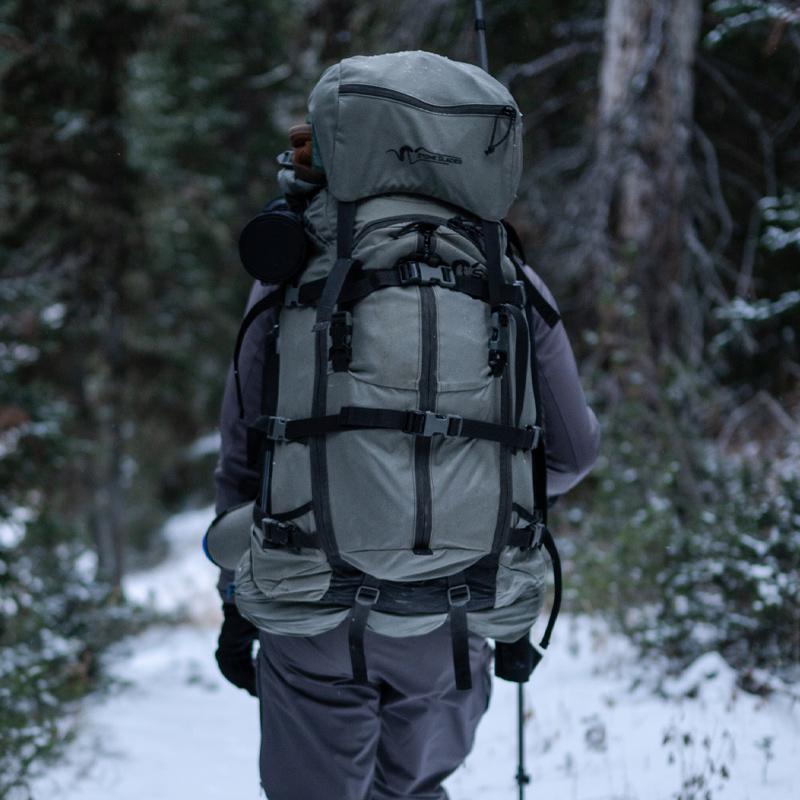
column 505, row 111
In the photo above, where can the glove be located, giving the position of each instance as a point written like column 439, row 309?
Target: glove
column 515, row 661
column 235, row 649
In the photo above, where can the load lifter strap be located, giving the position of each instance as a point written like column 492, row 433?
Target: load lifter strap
column 417, row 423
column 359, row 286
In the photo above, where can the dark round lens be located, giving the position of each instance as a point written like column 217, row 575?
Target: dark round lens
column 272, row 246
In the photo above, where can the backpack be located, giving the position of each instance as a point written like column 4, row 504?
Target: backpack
column 400, row 447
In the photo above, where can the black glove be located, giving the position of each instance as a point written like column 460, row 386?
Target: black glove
column 235, row 649
column 515, row 661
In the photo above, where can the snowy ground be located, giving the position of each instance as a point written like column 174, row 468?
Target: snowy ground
column 175, row 730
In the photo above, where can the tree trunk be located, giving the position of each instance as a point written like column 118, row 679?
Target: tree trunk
column 645, row 115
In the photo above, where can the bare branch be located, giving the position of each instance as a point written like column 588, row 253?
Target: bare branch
column 744, row 282
column 715, row 188
column 763, row 399
column 753, row 119
column 554, row 58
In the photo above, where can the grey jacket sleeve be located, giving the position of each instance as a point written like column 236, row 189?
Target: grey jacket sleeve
column 234, row 481
column 572, row 431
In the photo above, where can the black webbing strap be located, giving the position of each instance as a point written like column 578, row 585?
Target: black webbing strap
column 417, row 423
column 458, row 596
column 356, row 289
column 539, row 459
column 537, row 534
column 536, row 298
column 494, row 267
column 514, row 242
column 550, row 545
column 266, row 303
column 279, row 530
column 543, row 308
column 264, row 449
column 521, row 345
column 366, row 597
column 345, row 222
column 286, row 516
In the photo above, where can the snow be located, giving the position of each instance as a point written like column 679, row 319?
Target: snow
column 207, row 445
column 172, row 728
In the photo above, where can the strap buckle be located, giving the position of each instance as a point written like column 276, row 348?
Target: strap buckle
column 341, row 349
column 537, row 530
column 418, row 273
column 535, row 437
column 499, row 343
column 458, row 596
column 276, row 428
column 519, row 288
column 367, row 595
column 277, row 534
column 427, row 423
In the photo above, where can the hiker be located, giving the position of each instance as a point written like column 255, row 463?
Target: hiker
column 393, row 520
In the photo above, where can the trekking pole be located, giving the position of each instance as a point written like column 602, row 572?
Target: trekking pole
column 480, row 30
column 523, row 779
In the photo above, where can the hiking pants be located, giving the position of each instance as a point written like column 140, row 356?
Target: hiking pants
column 324, row 737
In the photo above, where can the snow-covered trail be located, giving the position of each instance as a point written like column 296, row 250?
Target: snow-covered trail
column 176, row 731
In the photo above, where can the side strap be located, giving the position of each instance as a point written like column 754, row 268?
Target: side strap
column 409, row 273
column 494, row 262
column 521, row 345
column 458, row 596
column 539, row 460
column 345, row 221
column 270, row 301
column 417, row 423
column 550, row 545
column 537, row 299
column 366, row 597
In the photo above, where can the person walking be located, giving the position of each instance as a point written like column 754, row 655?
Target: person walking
column 355, row 674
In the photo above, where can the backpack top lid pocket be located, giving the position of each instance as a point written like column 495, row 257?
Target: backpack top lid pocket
column 418, row 123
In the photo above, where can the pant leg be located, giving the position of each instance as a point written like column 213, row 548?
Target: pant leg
column 427, row 725
column 319, row 730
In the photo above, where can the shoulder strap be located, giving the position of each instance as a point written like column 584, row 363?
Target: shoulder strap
column 270, row 301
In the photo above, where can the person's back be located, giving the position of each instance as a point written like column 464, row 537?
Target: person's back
column 382, row 560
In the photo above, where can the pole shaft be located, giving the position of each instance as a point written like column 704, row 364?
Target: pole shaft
column 480, row 30
column 522, row 777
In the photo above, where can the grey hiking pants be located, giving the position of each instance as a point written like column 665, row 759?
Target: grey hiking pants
column 324, row 737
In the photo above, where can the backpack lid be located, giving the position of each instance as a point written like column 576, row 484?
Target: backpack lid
column 418, row 123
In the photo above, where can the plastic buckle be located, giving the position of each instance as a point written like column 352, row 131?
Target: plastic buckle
column 275, row 533
column 458, row 596
column 537, row 534
column 426, row 423
column 419, row 273
column 536, row 435
column 276, row 428
column 498, row 343
column 409, row 272
column 367, row 595
column 523, row 297
column 438, row 276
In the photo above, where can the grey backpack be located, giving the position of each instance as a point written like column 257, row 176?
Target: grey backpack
column 400, row 447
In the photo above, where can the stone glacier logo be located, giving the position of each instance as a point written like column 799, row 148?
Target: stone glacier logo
column 411, row 155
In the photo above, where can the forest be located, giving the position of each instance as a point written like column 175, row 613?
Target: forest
column 660, row 201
